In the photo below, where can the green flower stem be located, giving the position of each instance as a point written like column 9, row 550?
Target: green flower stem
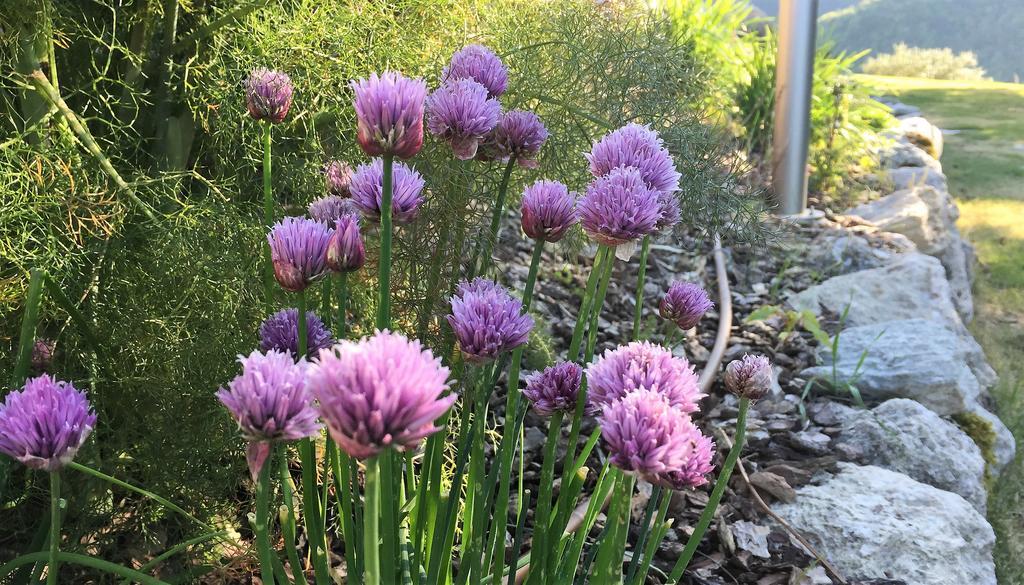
column 587, row 303
column 181, row 546
column 28, row 326
column 84, row 561
column 510, row 437
column 288, row 526
column 487, row 244
column 268, row 221
column 384, row 263
column 542, row 540
column 343, row 490
column 641, row 277
column 595, row 315
column 326, row 295
column 160, row 500
column 371, row 524
column 342, row 291
column 645, row 528
column 716, row 495
column 52, row 567
column 475, row 481
column 303, row 335
column 660, row 529
column 612, row 549
column 261, row 526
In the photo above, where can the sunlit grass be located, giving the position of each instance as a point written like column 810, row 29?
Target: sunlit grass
column 984, row 162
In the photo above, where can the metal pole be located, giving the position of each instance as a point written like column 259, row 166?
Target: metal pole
column 794, row 78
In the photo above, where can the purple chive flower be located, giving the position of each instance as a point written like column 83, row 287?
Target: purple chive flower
column 750, row 377
column 337, row 176
column 280, row 332
column 635, row 146
column 520, row 135
column 271, row 403
column 549, row 210
column 645, row 435
column 298, row 249
column 693, row 473
column 389, row 114
column 460, row 113
column 642, row 364
column 478, row 63
column 346, row 252
column 670, row 212
column 487, row 320
column 330, row 208
column 382, row 391
column 555, row 389
column 268, row 95
column 368, row 189
column 42, row 354
column 43, row 424
column 684, row 304
column 619, row 207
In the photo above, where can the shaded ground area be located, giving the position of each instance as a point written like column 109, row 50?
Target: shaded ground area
column 984, row 162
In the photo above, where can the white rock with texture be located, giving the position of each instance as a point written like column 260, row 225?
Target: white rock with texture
column 875, row 523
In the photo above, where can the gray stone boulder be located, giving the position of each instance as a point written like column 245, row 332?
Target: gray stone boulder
column 875, row 523
column 904, row 154
column 922, row 134
column 927, row 216
column 917, row 359
column 902, row 435
column 907, row 177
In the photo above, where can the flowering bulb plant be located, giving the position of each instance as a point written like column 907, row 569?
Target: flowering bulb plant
column 396, row 455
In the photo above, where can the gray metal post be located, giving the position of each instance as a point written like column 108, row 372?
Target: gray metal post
column 794, row 77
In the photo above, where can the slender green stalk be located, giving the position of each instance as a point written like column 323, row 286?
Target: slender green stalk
column 261, row 526
column 268, row 220
column 343, row 491
column 595, row 316
column 33, row 298
column 52, row 567
column 517, row 541
column 542, row 539
column 371, row 524
column 384, row 264
column 640, row 281
column 612, row 549
column 587, row 303
column 303, row 340
column 487, row 244
column 342, row 291
column 160, row 500
column 288, row 525
column 660, row 528
column 645, row 528
column 716, row 495
column 84, row 561
column 326, row 296
column 56, row 293
column 181, row 546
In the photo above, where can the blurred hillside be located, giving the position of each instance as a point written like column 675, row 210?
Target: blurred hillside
column 989, row 28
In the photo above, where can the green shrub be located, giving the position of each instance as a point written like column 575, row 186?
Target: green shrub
column 907, row 61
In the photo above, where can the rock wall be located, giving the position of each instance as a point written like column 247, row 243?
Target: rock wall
column 909, row 501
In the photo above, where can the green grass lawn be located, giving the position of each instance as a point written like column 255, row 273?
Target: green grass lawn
column 984, row 163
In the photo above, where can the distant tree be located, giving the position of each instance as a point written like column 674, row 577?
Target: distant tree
column 907, row 61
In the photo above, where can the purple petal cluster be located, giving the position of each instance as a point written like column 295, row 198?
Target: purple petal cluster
column 460, row 113
column 694, row 472
column 382, row 391
column 480, row 64
column 298, row 250
column 330, row 208
column 280, row 332
column 668, row 204
column 750, row 377
column 268, row 95
column 642, row 364
column 346, row 251
column 555, row 389
column 389, row 114
column 639, row 147
column 548, row 211
column 619, row 207
column 270, row 399
column 487, row 320
column 337, row 176
column 368, row 191
column 684, row 304
column 519, row 135
column 646, row 435
column 43, row 424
